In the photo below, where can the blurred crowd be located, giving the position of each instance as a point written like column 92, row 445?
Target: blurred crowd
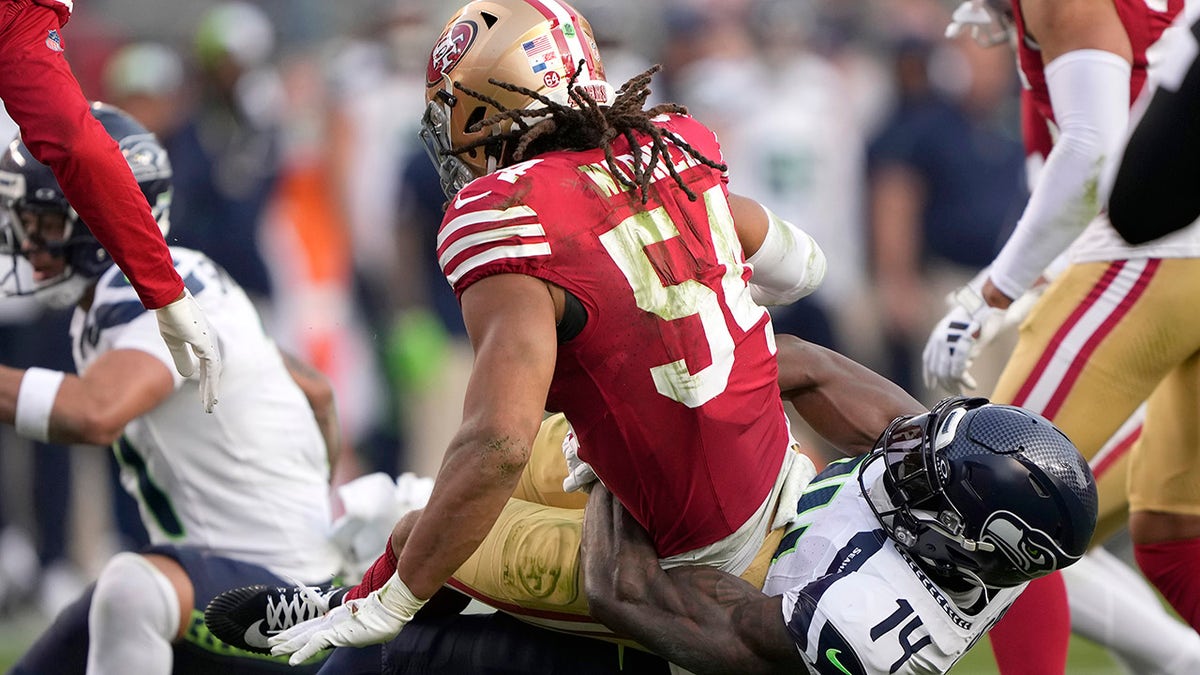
column 291, row 126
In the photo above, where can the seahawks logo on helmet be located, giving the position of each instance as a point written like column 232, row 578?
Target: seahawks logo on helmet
column 147, row 158
column 1030, row 550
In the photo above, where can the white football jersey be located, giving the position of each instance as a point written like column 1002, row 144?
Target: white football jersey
column 249, row 481
column 853, row 603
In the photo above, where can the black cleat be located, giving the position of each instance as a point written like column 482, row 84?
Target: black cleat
column 246, row 617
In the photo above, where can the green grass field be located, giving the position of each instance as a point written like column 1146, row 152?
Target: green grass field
column 1085, row 657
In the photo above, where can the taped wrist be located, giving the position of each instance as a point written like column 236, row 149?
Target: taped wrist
column 398, row 599
column 787, row 266
column 35, row 402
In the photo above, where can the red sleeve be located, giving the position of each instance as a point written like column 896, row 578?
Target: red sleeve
column 45, row 101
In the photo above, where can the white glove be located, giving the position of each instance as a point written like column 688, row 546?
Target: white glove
column 956, row 340
column 580, row 475
column 970, row 14
column 356, row 623
column 987, row 27
column 183, row 325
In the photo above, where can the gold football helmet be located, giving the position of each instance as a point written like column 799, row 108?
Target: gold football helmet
column 535, row 44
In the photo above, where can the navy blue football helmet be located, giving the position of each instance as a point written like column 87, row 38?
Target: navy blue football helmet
column 29, row 187
column 991, row 493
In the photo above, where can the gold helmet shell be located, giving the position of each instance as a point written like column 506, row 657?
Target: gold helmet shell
column 535, row 44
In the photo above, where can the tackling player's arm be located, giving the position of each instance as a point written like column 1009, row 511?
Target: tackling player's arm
column 700, row 618
column 844, row 401
column 319, row 392
column 93, row 408
column 511, row 322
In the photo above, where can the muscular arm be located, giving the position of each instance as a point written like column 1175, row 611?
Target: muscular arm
column 95, row 408
column 319, row 392
column 1086, row 53
column 750, row 220
column 699, row 618
column 845, row 402
column 510, row 319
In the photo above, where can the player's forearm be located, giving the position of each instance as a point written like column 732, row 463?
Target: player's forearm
column 697, row 617
column 97, row 181
column 474, row 483
column 845, row 402
column 1089, row 89
column 46, row 405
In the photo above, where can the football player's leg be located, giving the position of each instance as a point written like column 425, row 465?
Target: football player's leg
column 136, row 615
column 541, row 483
column 61, row 648
column 1032, row 637
column 1113, row 605
column 1164, row 495
column 1083, row 319
column 542, row 480
column 529, row 560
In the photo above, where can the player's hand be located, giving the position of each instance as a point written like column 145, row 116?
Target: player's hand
column 580, row 475
column 366, row 621
column 957, row 339
column 970, row 15
column 186, row 331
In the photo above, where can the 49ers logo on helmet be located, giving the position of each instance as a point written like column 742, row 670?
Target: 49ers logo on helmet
column 449, row 50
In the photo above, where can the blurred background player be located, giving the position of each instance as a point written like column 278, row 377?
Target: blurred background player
column 33, row 72
column 242, row 497
column 1085, row 346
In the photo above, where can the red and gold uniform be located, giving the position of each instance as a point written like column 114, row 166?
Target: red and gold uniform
column 671, row 384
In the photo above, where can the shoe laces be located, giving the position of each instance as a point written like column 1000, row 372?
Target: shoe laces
column 289, row 606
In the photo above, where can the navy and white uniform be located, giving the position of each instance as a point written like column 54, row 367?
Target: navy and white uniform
column 249, row 481
column 853, row 602
column 236, row 497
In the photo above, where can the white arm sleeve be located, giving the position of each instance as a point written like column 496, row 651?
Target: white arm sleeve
column 787, row 266
column 1089, row 89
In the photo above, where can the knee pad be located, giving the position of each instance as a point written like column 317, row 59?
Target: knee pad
column 133, row 597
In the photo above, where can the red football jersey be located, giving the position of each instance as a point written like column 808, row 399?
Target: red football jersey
column 1144, row 21
column 671, row 385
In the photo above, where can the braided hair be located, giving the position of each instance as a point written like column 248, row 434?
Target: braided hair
column 587, row 125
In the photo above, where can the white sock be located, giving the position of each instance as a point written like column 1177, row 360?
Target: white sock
column 133, row 620
column 1113, row 605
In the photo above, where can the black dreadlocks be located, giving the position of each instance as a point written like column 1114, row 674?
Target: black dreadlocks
column 587, row 125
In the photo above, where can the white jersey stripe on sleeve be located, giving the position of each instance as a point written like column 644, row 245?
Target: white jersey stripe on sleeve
column 488, row 237
column 492, row 255
column 497, row 216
